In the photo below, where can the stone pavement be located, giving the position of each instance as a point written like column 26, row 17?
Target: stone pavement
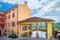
column 22, row 38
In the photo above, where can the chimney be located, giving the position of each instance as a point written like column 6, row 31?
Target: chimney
column 25, row 2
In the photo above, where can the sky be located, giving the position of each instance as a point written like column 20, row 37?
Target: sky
column 41, row 8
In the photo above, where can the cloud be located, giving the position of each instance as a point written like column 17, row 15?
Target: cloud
column 58, row 9
column 47, row 8
column 10, row 1
column 50, row 10
column 42, row 8
column 56, row 18
column 33, row 4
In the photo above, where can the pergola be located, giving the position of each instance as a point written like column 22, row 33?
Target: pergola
column 29, row 21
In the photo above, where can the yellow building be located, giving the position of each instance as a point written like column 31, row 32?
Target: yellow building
column 25, row 26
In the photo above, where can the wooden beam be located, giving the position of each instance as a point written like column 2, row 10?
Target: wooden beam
column 31, row 22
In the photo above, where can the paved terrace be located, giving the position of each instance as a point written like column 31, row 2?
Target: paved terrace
column 23, row 38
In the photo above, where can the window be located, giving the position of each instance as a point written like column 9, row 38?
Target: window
column 13, row 9
column 8, row 31
column 0, row 13
column 9, row 11
column 25, row 28
column 6, row 17
column 29, row 27
column 12, row 31
column 13, row 15
column 5, row 24
column 8, row 24
column 9, row 16
column 5, row 30
column 13, row 23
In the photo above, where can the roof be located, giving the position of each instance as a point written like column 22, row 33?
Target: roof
column 36, row 19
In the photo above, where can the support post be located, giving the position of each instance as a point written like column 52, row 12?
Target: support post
column 28, row 34
column 49, row 30
column 30, row 30
column 37, row 36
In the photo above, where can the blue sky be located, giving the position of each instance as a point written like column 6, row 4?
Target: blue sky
column 5, row 6
column 41, row 8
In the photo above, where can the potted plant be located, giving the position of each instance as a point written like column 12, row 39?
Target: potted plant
column 13, row 35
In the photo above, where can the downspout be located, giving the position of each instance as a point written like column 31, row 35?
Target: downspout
column 17, row 20
column 46, row 30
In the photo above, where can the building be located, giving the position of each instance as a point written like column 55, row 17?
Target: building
column 16, row 13
column 2, row 22
column 19, row 20
column 26, row 26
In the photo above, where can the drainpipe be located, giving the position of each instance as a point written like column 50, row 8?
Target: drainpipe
column 17, row 20
column 53, row 25
column 46, row 30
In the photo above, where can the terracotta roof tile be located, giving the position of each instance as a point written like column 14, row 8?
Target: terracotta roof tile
column 36, row 19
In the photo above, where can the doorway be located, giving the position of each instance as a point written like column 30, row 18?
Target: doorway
column 0, row 32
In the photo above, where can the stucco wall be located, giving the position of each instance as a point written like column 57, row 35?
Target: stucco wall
column 14, row 28
column 23, row 12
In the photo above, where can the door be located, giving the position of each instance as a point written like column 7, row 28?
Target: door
column 0, row 32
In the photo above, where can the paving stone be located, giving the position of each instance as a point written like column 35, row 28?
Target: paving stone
column 23, row 38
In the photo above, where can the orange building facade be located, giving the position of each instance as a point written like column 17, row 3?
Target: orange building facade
column 17, row 13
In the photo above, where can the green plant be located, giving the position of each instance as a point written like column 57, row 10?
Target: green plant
column 13, row 35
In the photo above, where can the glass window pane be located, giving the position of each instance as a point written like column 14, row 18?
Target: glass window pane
column 13, row 15
column 13, row 23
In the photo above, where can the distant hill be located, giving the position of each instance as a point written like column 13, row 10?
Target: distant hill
column 57, row 26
